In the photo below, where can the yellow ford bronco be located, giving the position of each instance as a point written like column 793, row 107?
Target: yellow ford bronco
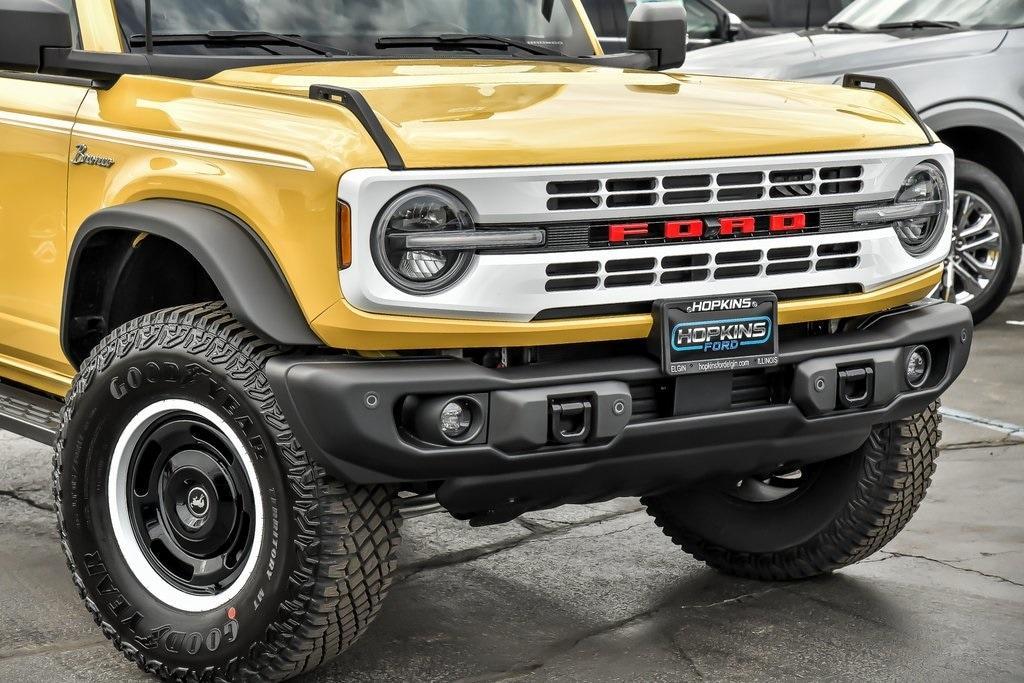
column 275, row 275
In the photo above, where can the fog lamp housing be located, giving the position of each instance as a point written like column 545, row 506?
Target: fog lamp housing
column 918, row 366
column 456, row 419
column 447, row 420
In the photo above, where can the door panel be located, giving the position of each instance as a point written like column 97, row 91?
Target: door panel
column 36, row 118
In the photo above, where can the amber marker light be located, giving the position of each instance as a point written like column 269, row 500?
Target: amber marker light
column 344, row 235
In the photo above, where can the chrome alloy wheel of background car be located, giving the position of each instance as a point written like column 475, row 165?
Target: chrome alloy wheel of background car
column 977, row 249
column 184, row 503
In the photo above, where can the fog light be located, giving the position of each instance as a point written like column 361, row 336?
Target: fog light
column 919, row 364
column 456, row 419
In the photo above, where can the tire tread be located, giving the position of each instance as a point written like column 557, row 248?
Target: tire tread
column 897, row 467
column 348, row 536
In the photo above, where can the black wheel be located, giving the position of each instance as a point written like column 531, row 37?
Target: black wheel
column 798, row 524
column 986, row 241
column 202, row 539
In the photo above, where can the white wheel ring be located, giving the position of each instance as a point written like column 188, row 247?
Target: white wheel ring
column 124, row 534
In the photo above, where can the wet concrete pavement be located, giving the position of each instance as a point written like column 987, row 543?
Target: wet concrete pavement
column 596, row 593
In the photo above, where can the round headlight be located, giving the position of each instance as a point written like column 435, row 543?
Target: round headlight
column 421, row 212
column 925, row 186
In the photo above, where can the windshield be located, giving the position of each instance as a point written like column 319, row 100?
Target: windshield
column 355, row 26
column 966, row 13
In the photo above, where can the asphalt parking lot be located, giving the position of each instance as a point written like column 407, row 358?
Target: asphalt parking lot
column 596, row 593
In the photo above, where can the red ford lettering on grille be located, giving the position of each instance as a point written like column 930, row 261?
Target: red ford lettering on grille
column 683, row 230
column 695, row 229
column 732, row 226
column 623, row 231
column 784, row 222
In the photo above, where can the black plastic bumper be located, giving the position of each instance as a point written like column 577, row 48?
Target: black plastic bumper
column 348, row 413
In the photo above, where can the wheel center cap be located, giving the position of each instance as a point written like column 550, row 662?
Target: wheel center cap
column 198, row 502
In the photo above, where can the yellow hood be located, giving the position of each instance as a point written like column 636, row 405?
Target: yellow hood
column 468, row 113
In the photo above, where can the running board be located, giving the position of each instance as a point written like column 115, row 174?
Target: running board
column 30, row 415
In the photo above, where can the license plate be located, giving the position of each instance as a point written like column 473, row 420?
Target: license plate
column 717, row 334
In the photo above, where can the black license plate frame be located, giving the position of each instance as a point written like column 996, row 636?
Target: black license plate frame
column 703, row 334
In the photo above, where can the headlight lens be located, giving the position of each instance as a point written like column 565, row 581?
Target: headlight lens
column 926, row 188
column 421, row 271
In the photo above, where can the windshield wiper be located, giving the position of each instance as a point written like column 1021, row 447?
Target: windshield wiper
column 237, row 37
column 459, row 41
column 843, row 26
column 921, row 23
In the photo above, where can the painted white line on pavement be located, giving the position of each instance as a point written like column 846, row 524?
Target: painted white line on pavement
column 1008, row 428
column 1018, row 323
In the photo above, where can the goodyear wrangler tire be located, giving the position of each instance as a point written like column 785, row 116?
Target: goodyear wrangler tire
column 202, row 539
column 801, row 525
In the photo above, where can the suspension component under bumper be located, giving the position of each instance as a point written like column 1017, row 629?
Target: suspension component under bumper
column 542, row 435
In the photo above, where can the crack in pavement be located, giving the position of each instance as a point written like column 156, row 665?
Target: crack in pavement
column 944, row 563
column 972, row 445
column 51, row 648
column 561, row 537
column 534, row 527
column 19, row 496
column 1008, row 429
column 568, row 645
column 480, row 552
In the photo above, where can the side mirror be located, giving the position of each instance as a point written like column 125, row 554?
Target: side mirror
column 733, row 26
column 659, row 29
column 26, row 28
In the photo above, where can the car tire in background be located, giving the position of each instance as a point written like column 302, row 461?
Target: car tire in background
column 986, row 241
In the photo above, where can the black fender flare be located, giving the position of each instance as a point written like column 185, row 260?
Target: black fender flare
column 237, row 261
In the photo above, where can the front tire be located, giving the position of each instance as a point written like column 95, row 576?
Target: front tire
column 827, row 517
column 201, row 537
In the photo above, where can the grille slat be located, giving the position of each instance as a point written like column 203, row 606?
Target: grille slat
column 684, row 268
column 731, row 257
column 572, row 284
column 702, row 188
column 788, row 267
column 629, row 265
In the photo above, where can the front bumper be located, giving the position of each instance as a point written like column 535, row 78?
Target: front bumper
column 348, row 414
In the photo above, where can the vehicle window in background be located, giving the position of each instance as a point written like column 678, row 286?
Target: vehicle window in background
column 701, row 21
column 355, row 25
column 967, row 13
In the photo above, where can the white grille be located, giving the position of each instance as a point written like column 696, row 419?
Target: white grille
column 513, row 286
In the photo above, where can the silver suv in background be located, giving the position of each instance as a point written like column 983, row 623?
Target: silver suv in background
column 961, row 64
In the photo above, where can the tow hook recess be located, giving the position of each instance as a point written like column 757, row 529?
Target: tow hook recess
column 856, row 387
column 571, row 420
